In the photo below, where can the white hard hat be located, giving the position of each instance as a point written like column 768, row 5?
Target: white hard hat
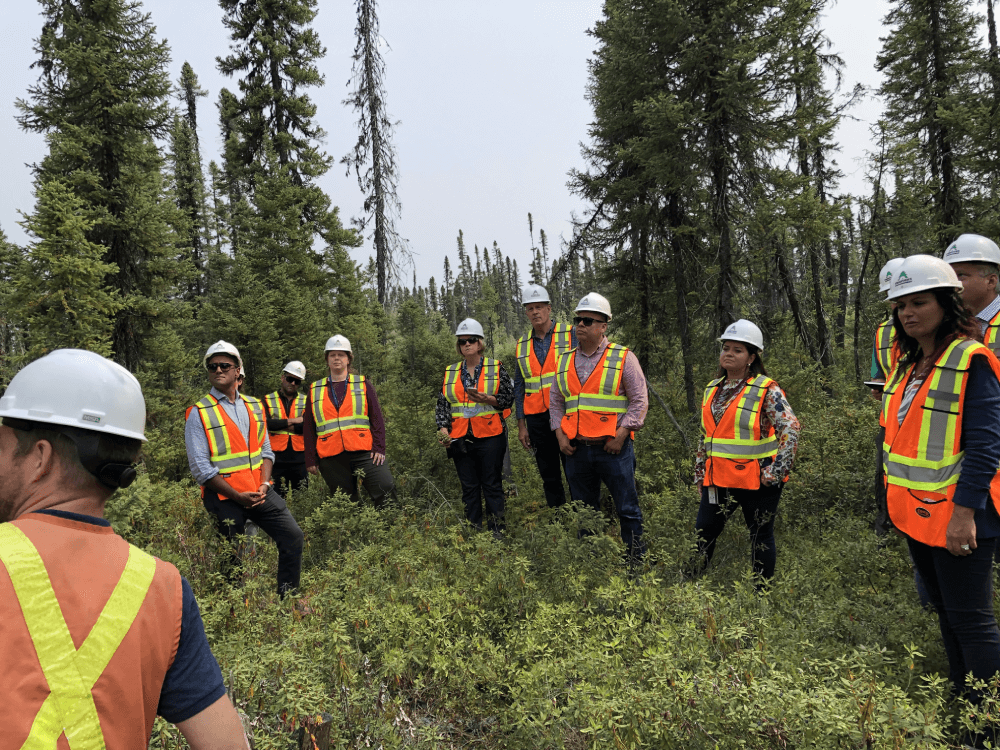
column 745, row 331
column 973, row 248
column 296, row 368
column 534, row 293
column 77, row 388
column 594, row 302
column 470, row 327
column 223, row 347
column 337, row 343
column 922, row 272
column 887, row 272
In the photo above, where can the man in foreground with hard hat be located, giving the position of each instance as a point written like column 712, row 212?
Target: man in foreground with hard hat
column 599, row 400
column 230, row 456
column 285, row 408
column 97, row 637
column 976, row 261
column 537, row 354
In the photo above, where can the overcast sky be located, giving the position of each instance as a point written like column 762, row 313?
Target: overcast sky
column 490, row 100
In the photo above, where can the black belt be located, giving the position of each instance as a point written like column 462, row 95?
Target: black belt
column 584, row 441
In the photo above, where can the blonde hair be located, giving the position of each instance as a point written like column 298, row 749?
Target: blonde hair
column 482, row 346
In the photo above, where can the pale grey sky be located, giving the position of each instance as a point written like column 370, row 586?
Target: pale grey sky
column 490, row 99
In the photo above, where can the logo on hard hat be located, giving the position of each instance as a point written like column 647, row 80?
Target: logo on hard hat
column 888, row 276
column 953, row 250
column 585, row 301
column 534, row 293
column 463, row 326
column 902, row 279
column 732, row 328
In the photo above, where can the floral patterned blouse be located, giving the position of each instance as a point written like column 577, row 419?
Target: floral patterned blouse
column 777, row 413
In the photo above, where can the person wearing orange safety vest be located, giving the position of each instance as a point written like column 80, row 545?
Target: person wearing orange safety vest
column 597, row 403
column 472, row 407
column 229, row 453
column 344, row 429
column 941, row 408
column 97, row 637
column 285, row 414
column 748, row 440
column 537, row 354
column 884, row 356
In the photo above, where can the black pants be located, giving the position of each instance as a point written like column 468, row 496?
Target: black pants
column 480, row 470
column 961, row 590
column 289, row 475
column 548, row 457
column 273, row 517
column 759, row 509
column 338, row 471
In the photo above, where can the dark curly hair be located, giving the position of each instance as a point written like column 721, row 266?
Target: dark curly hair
column 958, row 321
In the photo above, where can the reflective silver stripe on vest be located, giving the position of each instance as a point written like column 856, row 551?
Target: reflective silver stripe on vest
column 940, row 404
column 723, row 449
column 911, row 475
column 754, row 395
column 612, row 367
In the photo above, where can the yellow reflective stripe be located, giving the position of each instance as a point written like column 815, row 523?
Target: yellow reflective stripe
column 70, row 674
column 358, row 419
column 885, row 338
column 221, row 453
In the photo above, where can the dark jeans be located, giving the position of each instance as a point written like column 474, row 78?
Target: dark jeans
column 274, row 519
column 289, row 475
column 548, row 457
column 759, row 509
column 961, row 590
column 588, row 467
column 339, row 470
column 480, row 470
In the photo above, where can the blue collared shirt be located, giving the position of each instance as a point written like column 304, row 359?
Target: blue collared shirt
column 984, row 316
column 196, row 441
column 541, row 347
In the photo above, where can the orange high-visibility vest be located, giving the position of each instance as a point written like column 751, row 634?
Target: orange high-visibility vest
column 347, row 428
column 734, row 446
column 238, row 463
column 592, row 408
column 276, row 410
column 538, row 377
column 89, row 626
column 486, row 421
column 886, row 350
column 991, row 337
column 922, row 457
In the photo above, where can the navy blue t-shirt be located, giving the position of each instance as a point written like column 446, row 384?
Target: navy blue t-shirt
column 194, row 681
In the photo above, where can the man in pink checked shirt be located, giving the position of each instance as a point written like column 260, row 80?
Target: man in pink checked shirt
column 598, row 401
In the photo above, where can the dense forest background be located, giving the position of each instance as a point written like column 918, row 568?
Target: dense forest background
column 713, row 192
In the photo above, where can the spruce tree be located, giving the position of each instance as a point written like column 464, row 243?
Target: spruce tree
column 103, row 88
column 61, row 289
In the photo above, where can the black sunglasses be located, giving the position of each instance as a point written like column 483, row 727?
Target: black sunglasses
column 224, row 366
column 293, row 381
column 587, row 322
column 466, row 342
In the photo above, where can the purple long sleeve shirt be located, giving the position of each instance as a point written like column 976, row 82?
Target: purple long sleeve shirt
column 339, row 391
column 633, row 388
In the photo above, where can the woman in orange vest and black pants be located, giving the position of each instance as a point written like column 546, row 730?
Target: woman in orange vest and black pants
column 749, row 437
column 344, row 430
column 941, row 408
column 474, row 402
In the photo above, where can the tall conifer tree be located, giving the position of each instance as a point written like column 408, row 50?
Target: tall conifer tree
column 103, row 87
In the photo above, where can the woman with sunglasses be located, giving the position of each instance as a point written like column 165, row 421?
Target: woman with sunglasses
column 749, row 437
column 344, row 430
column 471, row 409
column 941, row 408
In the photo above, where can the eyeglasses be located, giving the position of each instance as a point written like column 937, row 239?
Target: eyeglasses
column 293, row 381
column 224, row 366
column 466, row 342
column 587, row 322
